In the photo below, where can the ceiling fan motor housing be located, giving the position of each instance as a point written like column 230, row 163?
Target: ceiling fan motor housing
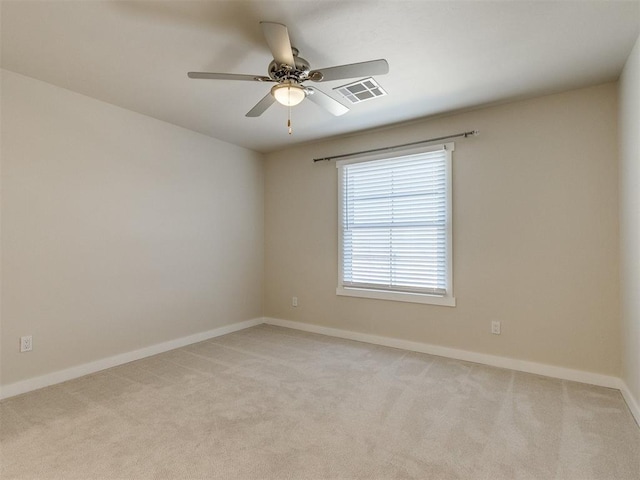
column 298, row 74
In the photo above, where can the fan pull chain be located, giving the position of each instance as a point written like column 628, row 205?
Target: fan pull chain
column 289, row 121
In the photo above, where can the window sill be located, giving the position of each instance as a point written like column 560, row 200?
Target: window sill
column 397, row 296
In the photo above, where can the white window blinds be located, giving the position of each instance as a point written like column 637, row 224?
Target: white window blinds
column 395, row 223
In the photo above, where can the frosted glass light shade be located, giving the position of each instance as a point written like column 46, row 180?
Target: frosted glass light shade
column 288, row 94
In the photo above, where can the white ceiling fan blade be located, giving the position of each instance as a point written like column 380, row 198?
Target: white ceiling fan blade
column 325, row 101
column 261, row 106
column 351, row 70
column 228, row 76
column 277, row 37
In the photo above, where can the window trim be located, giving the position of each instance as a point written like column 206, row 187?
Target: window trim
column 412, row 297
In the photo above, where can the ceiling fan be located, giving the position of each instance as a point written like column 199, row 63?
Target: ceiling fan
column 289, row 71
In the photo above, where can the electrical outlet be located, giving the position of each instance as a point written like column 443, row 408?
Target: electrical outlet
column 26, row 343
column 495, row 327
column 294, row 301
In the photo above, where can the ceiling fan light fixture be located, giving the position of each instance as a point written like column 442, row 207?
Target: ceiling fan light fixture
column 288, row 94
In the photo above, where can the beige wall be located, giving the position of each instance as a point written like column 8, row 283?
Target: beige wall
column 630, row 220
column 535, row 234
column 118, row 231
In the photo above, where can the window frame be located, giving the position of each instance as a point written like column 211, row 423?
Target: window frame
column 401, row 296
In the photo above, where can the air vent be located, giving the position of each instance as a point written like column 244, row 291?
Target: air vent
column 362, row 90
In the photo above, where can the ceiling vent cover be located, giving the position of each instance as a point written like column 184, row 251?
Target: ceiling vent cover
column 362, row 90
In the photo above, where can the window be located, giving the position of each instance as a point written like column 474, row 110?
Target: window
column 395, row 226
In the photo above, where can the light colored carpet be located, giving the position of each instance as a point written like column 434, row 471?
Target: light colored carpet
column 274, row 403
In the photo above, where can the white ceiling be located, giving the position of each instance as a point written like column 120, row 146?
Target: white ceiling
column 443, row 56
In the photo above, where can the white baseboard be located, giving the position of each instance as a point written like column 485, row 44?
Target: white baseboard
column 35, row 383
column 632, row 402
column 492, row 360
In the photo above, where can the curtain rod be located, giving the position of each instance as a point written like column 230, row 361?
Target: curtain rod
column 374, row 150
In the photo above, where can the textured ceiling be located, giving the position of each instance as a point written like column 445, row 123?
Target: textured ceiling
column 443, row 56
